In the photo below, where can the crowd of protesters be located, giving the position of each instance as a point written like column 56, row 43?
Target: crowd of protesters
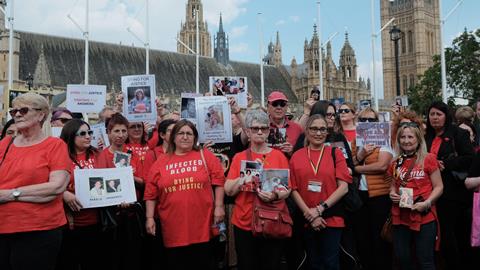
column 192, row 211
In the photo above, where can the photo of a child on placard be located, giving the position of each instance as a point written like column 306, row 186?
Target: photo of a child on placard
column 139, row 99
column 214, row 118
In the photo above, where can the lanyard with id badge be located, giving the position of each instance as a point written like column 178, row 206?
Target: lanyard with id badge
column 315, row 185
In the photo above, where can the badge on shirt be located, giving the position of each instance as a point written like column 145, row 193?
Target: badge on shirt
column 314, row 186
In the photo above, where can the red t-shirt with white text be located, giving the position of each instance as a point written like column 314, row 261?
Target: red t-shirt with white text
column 184, row 194
column 243, row 209
column 31, row 165
column 302, row 174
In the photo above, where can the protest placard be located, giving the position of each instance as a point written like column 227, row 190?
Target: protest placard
column 139, row 98
column 86, row 98
column 104, row 187
column 99, row 133
column 377, row 133
column 274, row 180
column 401, row 101
column 214, row 120
column 187, row 109
column 250, row 175
column 236, row 87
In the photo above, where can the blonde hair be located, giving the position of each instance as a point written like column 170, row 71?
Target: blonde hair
column 421, row 148
column 464, row 114
column 36, row 101
column 368, row 110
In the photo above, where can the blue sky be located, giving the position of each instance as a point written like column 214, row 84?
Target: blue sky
column 293, row 19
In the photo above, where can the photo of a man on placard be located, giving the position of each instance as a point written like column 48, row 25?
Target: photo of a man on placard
column 113, row 186
column 97, row 189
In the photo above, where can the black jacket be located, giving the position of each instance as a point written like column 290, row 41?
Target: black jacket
column 457, row 153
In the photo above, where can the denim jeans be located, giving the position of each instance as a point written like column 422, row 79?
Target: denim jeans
column 424, row 246
column 323, row 248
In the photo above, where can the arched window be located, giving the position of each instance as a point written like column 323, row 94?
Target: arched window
column 404, row 83
column 404, row 45
column 349, row 72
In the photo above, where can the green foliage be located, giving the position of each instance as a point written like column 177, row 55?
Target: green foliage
column 463, row 74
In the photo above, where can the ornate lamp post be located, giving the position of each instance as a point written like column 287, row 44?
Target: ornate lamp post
column 29, row 81
column 395, row 36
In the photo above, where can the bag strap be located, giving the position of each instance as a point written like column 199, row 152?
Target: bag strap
column 410, row 168
column 205, row 165
column 6, row 150
column 334, row 158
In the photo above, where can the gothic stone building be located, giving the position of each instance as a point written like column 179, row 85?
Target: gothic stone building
column 188, row 32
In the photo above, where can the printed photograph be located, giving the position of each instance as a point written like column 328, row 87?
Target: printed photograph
column 188, row 110
column 97, row 187
column 121, row 159
column 250, row 175
column 214, row 118
column 274, row 180
column 277, row 136
column 113, row 185
column 139, row 99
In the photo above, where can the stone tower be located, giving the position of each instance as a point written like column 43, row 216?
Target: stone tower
column 310, row 57
column 420, row 23
column 4, row 39
column 220, row 51
column 277, row 52
column 188, row 31
column 348, row 61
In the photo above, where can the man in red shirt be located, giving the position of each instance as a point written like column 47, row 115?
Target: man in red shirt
column 277, row 109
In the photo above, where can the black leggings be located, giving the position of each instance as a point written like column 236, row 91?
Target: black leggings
column 30, row 250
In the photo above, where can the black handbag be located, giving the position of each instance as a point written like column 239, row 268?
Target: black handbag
column 351, row 200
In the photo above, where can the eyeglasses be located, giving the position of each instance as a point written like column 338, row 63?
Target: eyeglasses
column 408, row 124
column 135, row 126
column 83, row 133
column 22, row 111
column 315, row 130
column 367, row 119
column 63, row 120
column 344, row 110
column 330, row 115
column 182, row 134
column 257, row 129
column 281, row 103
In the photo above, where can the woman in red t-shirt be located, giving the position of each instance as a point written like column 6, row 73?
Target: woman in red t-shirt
column 81, row 242
column 416, row 186
column 186, row 191
column 319, row 181
column 254, row 252
column 34, row 172
column 347, row 121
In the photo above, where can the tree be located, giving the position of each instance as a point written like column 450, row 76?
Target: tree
column 463, row 74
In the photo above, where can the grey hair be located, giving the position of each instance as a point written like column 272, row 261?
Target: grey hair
column 256, row 115
column 34, row 100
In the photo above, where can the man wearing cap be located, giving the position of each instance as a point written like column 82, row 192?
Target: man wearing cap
column 277, row 109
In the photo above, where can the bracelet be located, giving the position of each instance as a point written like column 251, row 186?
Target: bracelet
column 318, row 211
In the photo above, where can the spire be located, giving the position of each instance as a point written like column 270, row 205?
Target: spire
column 220, row 28
column 346, row 36
column 329, row 49
column 278, row 39
column 42, row 75
column 314, row 30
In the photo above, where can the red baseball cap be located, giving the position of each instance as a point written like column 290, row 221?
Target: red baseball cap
column 276, row 95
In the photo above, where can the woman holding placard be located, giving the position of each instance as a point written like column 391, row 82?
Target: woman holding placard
column 82, row 238
column 255, row 252
column 34, row 173
column 416, row 186
column 186, row 191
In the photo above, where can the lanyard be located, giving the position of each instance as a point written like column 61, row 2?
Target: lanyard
column 315, row 167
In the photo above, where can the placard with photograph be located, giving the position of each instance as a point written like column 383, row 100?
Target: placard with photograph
column 377, row 133
column 274, row 180
column 99, row 133
column 337, row 102
column 104, row 187
column 277, row 137
column 139, row 101
column 383, row 116
column 214, row 120
column 401, row 101
column 250, row 175
column 86, row 98
column 121, row 159
column 364, row 103
column 188, row 109
column 236, row 87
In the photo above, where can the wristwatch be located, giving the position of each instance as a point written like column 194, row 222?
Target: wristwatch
column 324, row 205
column 16, row 193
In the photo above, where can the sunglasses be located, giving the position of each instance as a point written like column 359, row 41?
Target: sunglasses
column 281, row 103
column 330, row 115
column 83, row 133
column 315, row 130
column 63, row 120
column 257, row 129
column 367, row 119
column 344, row 110
column 22, row 111
column 408, row 124
column 135, row 126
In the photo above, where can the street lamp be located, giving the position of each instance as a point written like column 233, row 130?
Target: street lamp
column 29, row 81
column 395, row 36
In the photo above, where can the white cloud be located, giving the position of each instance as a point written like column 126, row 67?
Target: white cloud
column 239, row 48
column 280, row 22
column 230, row 9
column 238, row 31
column 294, row 18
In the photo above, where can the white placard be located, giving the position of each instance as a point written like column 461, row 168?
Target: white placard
column 377, row 133
column 236, row 87
column 99, row 132
column 86, row 98
column 104, row 187
column 214, row 120
column 139, row 98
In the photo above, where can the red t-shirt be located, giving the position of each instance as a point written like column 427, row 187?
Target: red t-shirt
column 87, row 216
column 31, row 165
column 302, row 174
column 436, row 145
column 421, row 184
column 140, row 153
column 152, row 143
column 350, row 134
column 150, row 158
column 184, row 195
column 243, row 209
